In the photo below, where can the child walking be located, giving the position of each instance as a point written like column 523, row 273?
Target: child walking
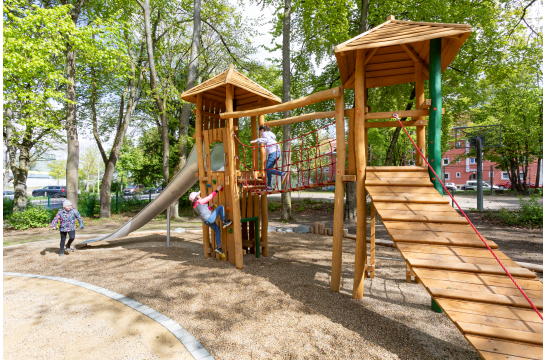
column 66, row 217
column 209, row 217
column 272, row 150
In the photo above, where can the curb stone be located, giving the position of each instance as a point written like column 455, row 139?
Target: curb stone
column 192, row 345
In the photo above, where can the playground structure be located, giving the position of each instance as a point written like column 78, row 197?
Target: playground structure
column 478, row 287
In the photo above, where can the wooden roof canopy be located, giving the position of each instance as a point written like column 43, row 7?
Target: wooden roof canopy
column 394, row 47
column 248, row 94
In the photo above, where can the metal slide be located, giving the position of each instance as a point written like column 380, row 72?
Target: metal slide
column 182, row 182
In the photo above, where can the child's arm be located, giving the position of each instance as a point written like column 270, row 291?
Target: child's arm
column 203, row 201
column 55, row 220
column 80, row 220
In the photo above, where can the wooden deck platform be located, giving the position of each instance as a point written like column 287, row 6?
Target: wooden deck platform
column 456, row 268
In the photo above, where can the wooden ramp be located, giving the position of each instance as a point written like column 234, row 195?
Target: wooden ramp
column 456, row 268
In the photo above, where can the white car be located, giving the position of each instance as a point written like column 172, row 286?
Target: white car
column 8, row 194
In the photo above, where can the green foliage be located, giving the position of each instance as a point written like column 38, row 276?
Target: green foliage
column 33, row 217
column 273, row 205
column 530, row 213
column 57, row 169
column 89, row 205
column 7, row 205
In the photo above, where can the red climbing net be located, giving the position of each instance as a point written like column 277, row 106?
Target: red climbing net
column 309, row 161
column 470, row 223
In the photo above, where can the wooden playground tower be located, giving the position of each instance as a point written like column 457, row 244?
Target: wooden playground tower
column 455, row 264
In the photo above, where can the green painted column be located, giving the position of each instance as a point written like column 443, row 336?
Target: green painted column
column 434, row 128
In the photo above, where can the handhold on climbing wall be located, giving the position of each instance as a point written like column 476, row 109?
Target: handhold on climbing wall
column 214, row 181
column 208, row 185
column 228, row 209
column 230, row 230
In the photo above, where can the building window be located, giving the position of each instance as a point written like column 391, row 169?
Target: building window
column 473, row 177
column 472, row 161
column 521, row 175
column 490, row 174
column 447, row 176
column 504, row 175
column 446, row 161
column 458, row 175
column 457, row 143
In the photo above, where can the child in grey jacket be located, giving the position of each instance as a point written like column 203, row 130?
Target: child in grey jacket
column 273, row 152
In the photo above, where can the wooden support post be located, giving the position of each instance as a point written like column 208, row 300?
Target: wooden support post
column 200, row 161
column 408, row 274
column 420, row 98
column 233, row 186
column 337, row 253
column 434, row 136
column 351, row 146
column 361, row 161
column 264, row 205
column 373, row 226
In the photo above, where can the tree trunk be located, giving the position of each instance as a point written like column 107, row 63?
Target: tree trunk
column 286, row 81
column 72, row 161
column 183, row 126
column 364, row 15
column 538, row 175
column 390, row 153
column 163, row 120
column 20, row 172
column 7, row 139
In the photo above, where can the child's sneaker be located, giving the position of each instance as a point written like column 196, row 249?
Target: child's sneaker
column 219, row 251
column 227, row 223
column 269, row 188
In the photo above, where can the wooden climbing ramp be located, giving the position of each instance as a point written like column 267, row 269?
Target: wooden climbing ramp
column 446, row 255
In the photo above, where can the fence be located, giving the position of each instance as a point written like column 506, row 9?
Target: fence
column 461, row 179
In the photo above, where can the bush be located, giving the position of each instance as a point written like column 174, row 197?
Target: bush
column 273, row 205
column 88, row 204
column 529, row 213
column 7, row 207
column 33, row 217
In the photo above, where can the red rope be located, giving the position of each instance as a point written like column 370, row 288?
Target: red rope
column 396, row 116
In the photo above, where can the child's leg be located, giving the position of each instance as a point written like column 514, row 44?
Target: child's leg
column 71, row 237
column 63, row 240
column 221, row 212
column 217, row 231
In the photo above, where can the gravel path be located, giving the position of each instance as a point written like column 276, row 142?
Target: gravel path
column 278, row 307
column 45, row 319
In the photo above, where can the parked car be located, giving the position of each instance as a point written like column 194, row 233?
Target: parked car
column 154, row 190
column 504, row 185
column 451, row 187
column 472, row 185
column 52, row 191
column 8, row 194
column 133, row 189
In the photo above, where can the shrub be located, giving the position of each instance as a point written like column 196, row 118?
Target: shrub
column 273, row 205
column 88, row 204
column 33, row 217
column 529, row 213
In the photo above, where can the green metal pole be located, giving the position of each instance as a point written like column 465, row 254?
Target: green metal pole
column 434, row 133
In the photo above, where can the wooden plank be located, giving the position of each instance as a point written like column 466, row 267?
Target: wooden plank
column 391, row 72
column 425, row 218
column 341, row 47
column 432, row 34
column 402, row 189
column 485, row 289
column 479, row 308
column 396, row 57
column 394, row 124
column 397, row 175
column 479, row 279
column 349, row 178
column 410, row 199
column 397, row 168
column 351, row 140
column 414, row 207
column 390, row 65
column 501, row 333
column 505, row 348
column 484, row 269
column 465, row 229
column 301, row 118
column 458, row 258
column 386, row 213
column 401, row 113
column 290, row 105
column 452, row 250
column 413, row 55
column 389, row 81
column 491, row 320
column 441, row 241
column 518, row 301
column 493, row 356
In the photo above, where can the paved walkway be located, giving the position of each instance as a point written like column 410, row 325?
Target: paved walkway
column 59, row 318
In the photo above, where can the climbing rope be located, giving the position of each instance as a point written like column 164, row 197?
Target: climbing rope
column 308, row 160
column 396, row 116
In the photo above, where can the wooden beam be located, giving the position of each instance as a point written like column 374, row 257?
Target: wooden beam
column 383, row 124
column 349, row 177
column 361, row 162
column 290, row 105
column 401, row 113
column 389, row 80
column 425, row 105
column 369, row 56
column 421, row 104
column 337, row 252
column 209, row 114
column 409, row 50
column 300, row 118
column 202, row 183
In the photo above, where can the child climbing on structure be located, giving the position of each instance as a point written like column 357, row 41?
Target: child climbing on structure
column 209, row 217
column 273, row 153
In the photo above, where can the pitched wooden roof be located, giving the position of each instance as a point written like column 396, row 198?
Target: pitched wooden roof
column 393, row 48
column 247, row 92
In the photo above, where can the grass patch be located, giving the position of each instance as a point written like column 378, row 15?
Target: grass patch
column 530, row 213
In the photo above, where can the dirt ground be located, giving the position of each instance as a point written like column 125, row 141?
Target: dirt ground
column 278, row 307
column 45, row 319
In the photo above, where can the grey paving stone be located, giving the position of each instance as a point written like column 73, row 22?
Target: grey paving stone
column 181, row 333
column 207, row 358
column 168, row 323
column 174, row 328
column 161, row 318
column 188, row 339
column 192, row 346
column 155, row 314
column 199, row 354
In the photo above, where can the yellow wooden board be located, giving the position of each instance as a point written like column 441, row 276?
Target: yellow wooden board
column 480, row 279
column 479, row 308
column 490, row 348
column 485, row 269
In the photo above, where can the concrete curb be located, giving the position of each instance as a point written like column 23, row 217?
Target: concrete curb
column 188, row 341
